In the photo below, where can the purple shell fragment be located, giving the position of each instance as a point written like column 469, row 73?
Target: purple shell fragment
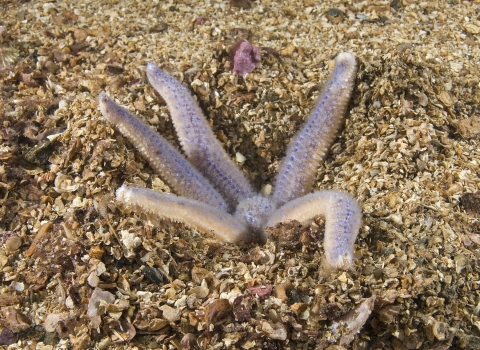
column 245, row 59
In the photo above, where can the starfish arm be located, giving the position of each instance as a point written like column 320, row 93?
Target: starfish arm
column 298, row 169
column 193, row 213
column 343, row 218
column 199, row 143
column 184, row 178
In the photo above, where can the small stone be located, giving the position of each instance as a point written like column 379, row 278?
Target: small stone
column 18, row 286
column 189, row 342
column 13, row 320
column 79, row 34
column 262, row 292
column 460, row 262
column 80, row 342
column 243, row 4
column 116, row 82
column 199, row 291
column 158, row 27
column 282, row 290
column 7, row 337
column 40, row 154
column 472, row 28
column 469, row 128
column 288, row 50
column 170, row 314
column 91, row 85
column 240, row 158
column 130, row 241
column 354, row 320
column 335, row 16
column 446, row 98
column 217, row 311
column 98, row 296
column 96, row 252
column 153, row 275
column 7, row 300
column 246, row 58
column 52, row 321
column 104, row 343
column 12, row 244
column 242, row 306
column 93, row 279
column 274, row 330
column 298, row 308
column 471, row 203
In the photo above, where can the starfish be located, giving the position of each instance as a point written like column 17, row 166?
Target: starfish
column 215, row 196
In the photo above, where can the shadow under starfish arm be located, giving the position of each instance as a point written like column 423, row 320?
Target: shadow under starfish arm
column 193, row 213
column 298, row 169
column 162, row 156
column 199, row 143
column 343, row 219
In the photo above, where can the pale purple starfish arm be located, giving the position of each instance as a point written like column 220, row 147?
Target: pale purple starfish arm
column 199, row 215
column 199, row 143
column 185, row 179
column 343, row 219
column 298, row 169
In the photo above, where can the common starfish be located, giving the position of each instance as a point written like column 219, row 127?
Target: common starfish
column 215, row 196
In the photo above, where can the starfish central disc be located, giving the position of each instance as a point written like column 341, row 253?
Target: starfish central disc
column 255, row 211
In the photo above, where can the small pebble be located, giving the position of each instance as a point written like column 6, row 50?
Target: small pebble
column 12, row 244
column 79, row 34
column 240, row 158
column 335, row 16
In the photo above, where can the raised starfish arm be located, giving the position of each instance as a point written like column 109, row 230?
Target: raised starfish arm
column 198, row 215
column 298, row 169
column 185, row 179
column 343, row 218
column 199, row 143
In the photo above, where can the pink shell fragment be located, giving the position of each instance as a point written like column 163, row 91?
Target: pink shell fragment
column 262, row 292
column 246, row 58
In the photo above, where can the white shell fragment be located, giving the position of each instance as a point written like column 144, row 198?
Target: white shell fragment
column 347, row 326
